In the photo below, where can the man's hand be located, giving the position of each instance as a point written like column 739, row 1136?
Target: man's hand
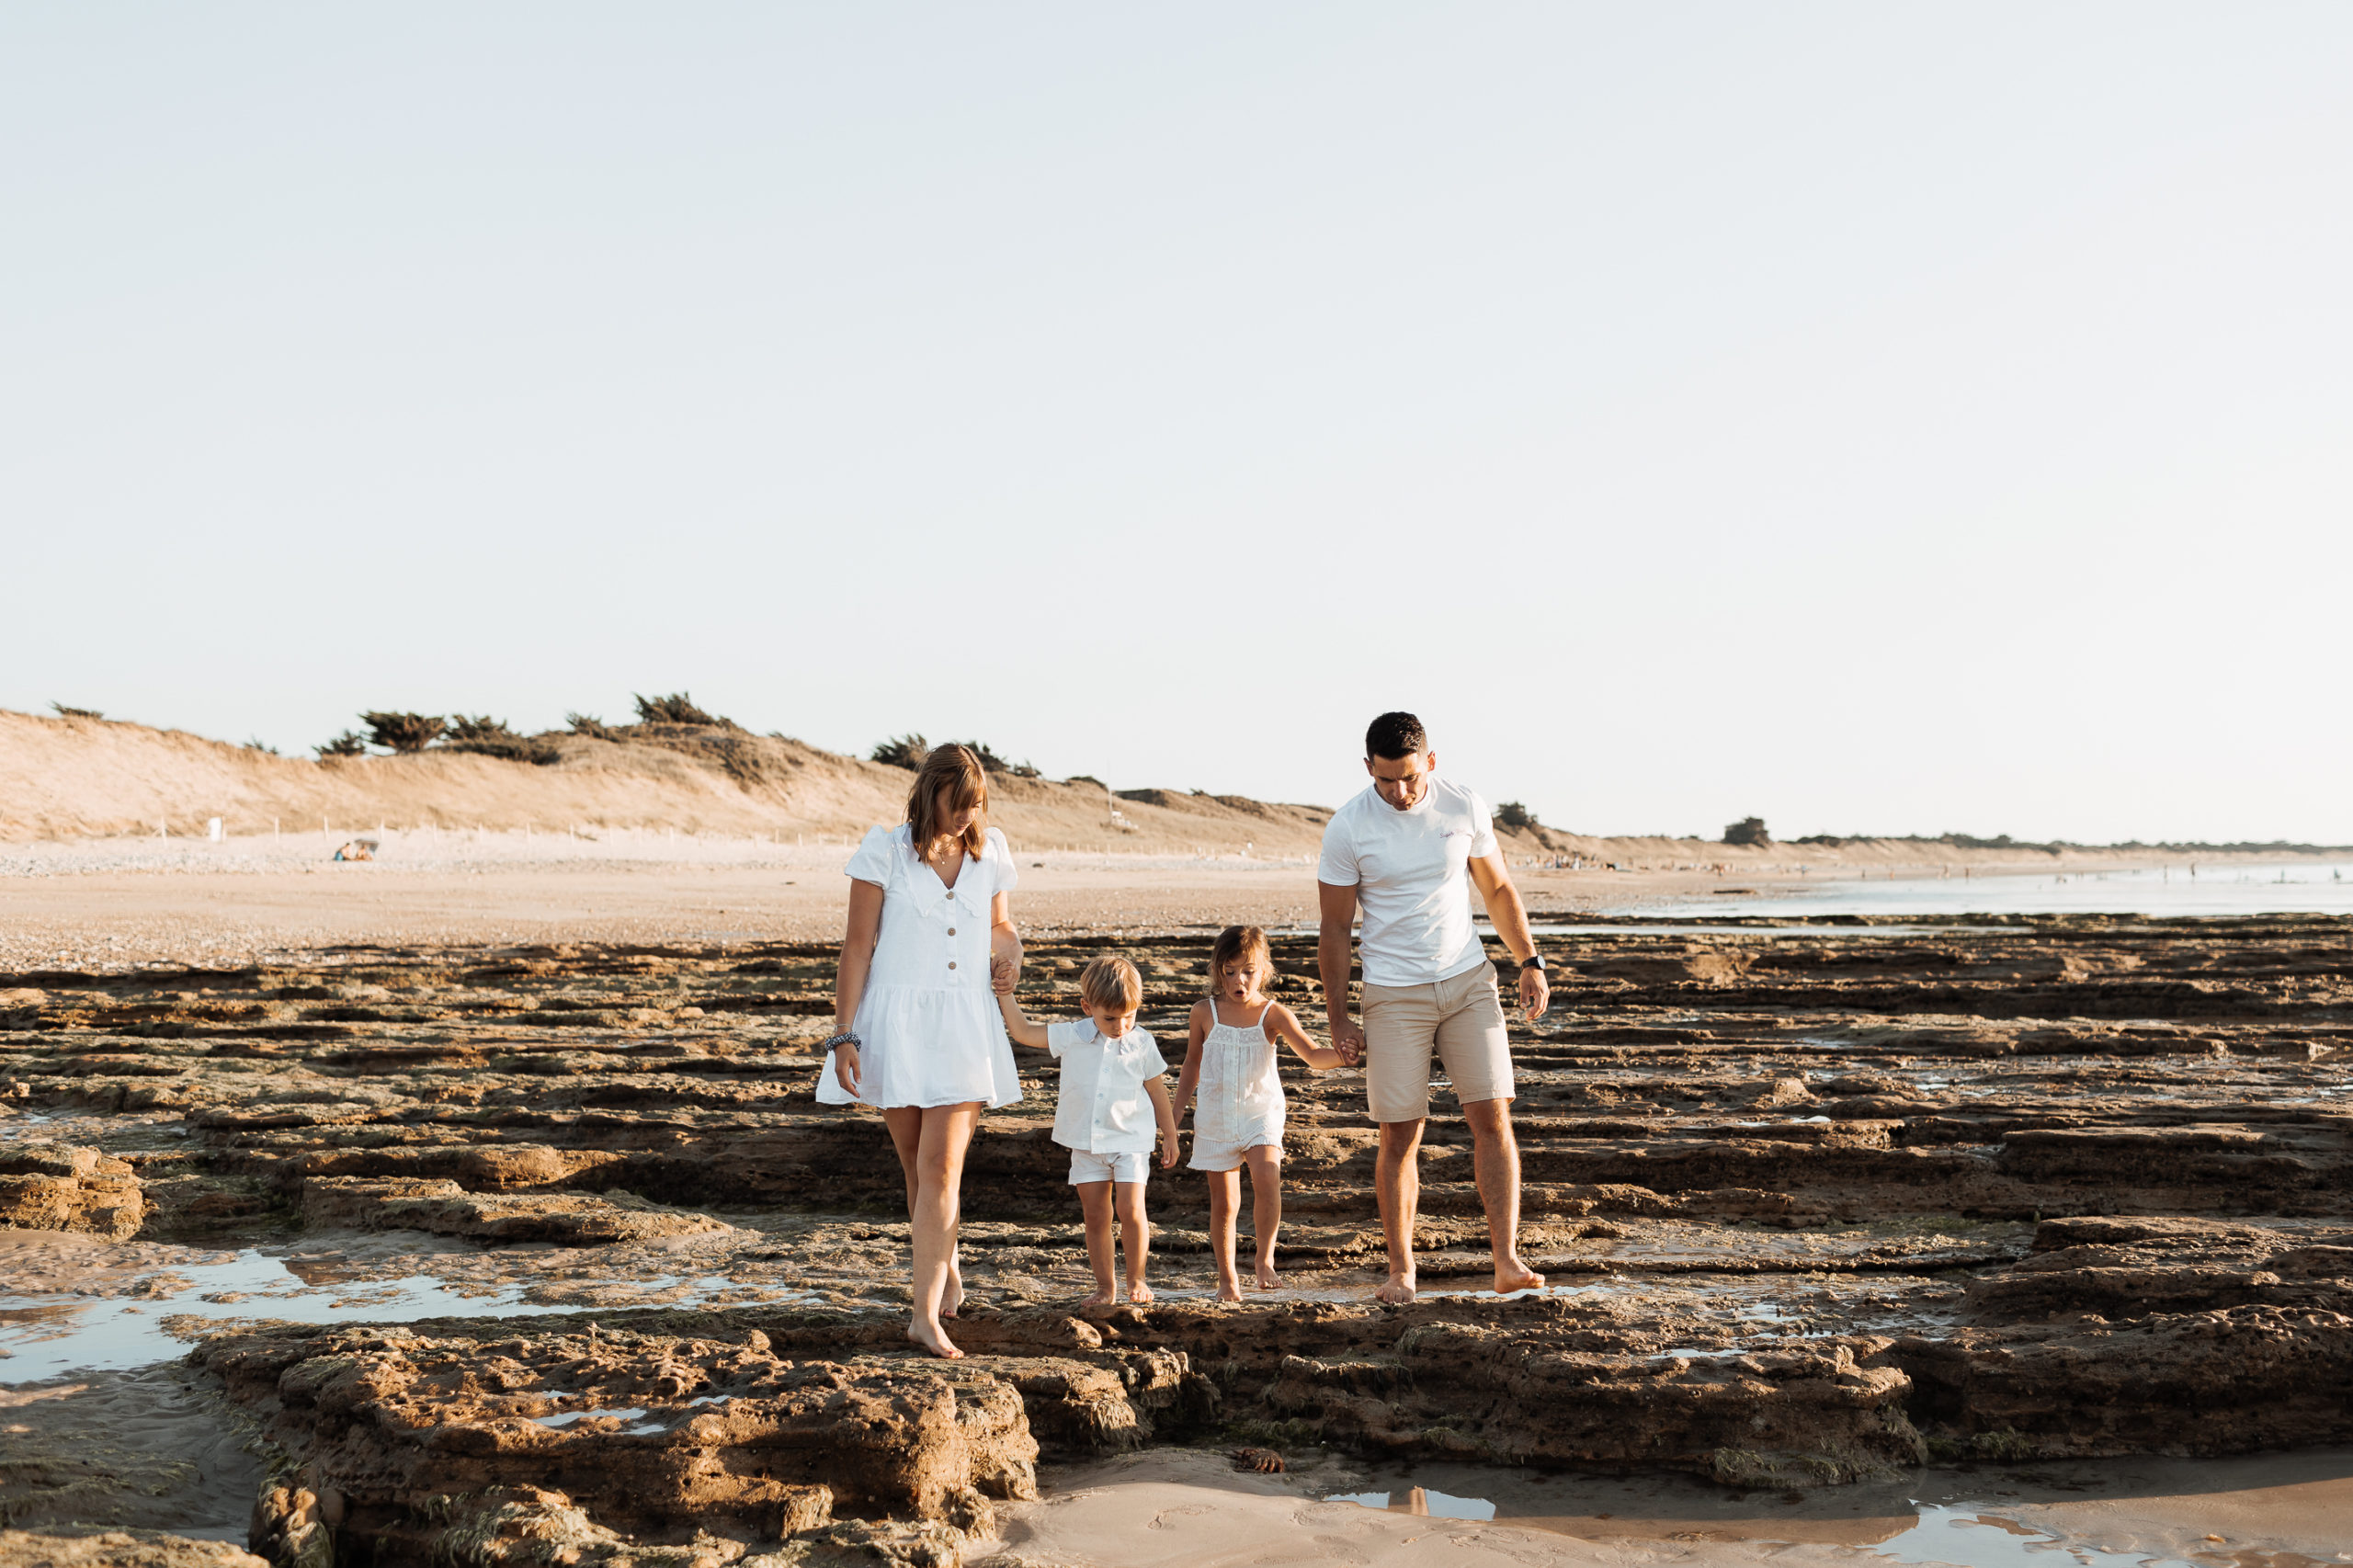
column 1347, row 1039
column 1534, row 994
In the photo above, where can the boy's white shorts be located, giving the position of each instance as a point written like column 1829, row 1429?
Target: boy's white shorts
column 1086, row 1166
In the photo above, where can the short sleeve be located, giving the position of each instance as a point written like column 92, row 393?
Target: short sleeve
column 1060, row 1038
column 1338, row 867
column 1001, row 861
column 872, row 861
column 1483, row 838
column 1151, row 1063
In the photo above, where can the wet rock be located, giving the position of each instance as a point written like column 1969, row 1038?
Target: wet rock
column 55, row 1187
column 93, row 1546
column 598, row 1443
column 446, row 1208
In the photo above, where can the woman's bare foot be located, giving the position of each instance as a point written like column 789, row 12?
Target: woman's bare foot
column 1229, row 1289
column 1140, row 1293
column 935, row 1340
column 1101, row 1298
column 1513, row 1275
column 1398, row 1291
column 1266, row 1281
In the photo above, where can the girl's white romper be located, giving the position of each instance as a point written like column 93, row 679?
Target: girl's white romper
column 1238, row 1104
column 928, row 1026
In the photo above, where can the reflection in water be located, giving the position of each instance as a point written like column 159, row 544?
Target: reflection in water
column 2254, row 1511
column 1420, row 1500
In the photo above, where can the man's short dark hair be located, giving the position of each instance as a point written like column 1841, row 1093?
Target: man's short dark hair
column 1393, row 735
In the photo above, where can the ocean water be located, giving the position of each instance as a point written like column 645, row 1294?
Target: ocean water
column 2303, row 887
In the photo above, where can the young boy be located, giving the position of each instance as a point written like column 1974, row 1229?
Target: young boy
column 1111, row 1069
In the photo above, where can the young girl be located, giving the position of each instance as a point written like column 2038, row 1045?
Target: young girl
column 1231, row 1059
column 1110, row 1104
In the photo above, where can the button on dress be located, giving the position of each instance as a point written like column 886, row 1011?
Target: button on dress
column 929, row 1023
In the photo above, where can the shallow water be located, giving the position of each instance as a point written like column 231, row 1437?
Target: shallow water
column 2255, row 1511
column 49, row 1334
column 2304, row 887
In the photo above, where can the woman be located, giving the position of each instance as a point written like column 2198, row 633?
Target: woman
column 917, row 1032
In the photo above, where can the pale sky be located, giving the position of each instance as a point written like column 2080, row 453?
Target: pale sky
column 1878, row 418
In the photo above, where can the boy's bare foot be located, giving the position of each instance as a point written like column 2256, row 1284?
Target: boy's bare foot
column 1229, row 1289
column 1398, row 1291
column 1266, row 1281
column 1513, row 1275
column 936, row 1341
column 1140, row 1293
column 1101, row 1298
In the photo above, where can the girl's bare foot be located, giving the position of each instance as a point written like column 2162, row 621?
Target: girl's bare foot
column 935, row 1340
column 1102, row 1298
column 1140, row 1293
column 1266, row 1281
column 1229, row 1289
column 1398, row 1291
column 951, row 1295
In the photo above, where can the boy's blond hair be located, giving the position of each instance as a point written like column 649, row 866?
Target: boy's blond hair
column 1111, row 983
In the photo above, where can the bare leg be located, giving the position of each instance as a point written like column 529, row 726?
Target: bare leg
column 1266, row 1207
column 1495, row 1160
column 1225, row 1194
column 906, row 1138
column 1095, row 1200
column 943, row 1133
column 1136, row 1232
column 1397, row 1180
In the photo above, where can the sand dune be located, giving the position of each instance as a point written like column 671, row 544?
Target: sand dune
column 82, row 777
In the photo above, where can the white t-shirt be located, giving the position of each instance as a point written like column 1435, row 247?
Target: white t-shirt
column 1410, row 871
column 1100, row 1105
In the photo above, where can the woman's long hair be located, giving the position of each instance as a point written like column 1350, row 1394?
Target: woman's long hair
column 957, row 770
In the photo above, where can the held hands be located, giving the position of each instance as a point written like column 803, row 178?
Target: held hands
column 1167, row 1148
column 1001, row 975
column 1534, row 994
column 1347, row 1039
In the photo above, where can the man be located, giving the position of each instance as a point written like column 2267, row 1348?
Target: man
column 1407, row 851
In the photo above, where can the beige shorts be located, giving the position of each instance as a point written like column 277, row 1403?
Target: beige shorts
column 1461, row 1016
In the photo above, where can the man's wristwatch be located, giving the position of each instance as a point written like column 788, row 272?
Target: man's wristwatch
column 1534, row 961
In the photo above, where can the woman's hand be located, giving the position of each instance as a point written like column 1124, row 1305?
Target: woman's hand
column 1002, row 974
column 846, row 1068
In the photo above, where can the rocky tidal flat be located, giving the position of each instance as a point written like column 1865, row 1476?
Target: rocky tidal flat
column 547, row 1254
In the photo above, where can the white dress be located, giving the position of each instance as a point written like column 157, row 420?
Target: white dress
column 929, row 1023
column 1238, row 1104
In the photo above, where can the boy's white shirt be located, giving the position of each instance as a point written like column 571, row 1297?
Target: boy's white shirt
column 1100, row 1105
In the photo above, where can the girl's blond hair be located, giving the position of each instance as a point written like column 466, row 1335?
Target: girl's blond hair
column 1238, row 942
column 1111, row 982
column 957, row 770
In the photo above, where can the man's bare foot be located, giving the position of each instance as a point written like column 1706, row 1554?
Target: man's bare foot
column 1398, row 1291
column 1515, row 1274
column 1229, row 1289
column 1101, row 1298
column 936, row 1341
column 1266, row 1281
